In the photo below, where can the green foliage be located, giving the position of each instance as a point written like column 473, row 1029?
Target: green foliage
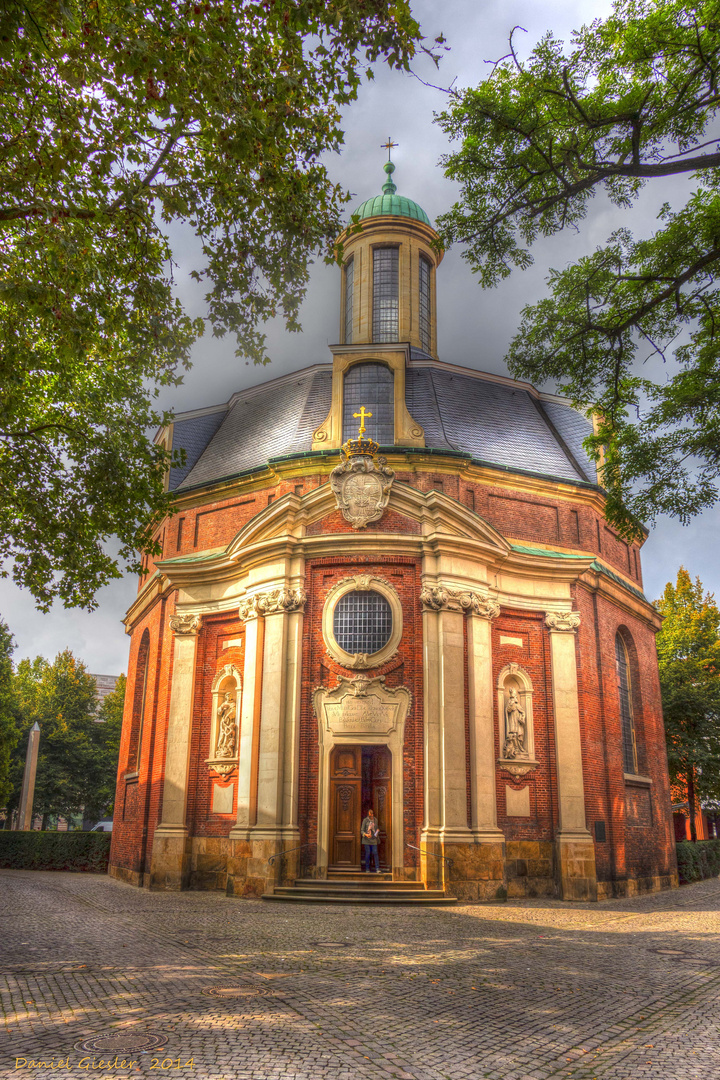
column 77, row 762
column 8, row 711
column 55, row 851
column 122, row 120
column 689, row 660
column 633, row 99
column 698, row 861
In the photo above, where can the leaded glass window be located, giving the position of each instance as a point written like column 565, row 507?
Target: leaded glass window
column 424, row 307
column 385, row 294
column 626, row 710
column 349, row 281
column 362, row 622
column 373, row 386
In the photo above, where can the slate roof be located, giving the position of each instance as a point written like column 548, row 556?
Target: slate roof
column 499, row 423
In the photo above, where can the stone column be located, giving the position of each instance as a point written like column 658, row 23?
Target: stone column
column 483, row 796
column 170, row 864
column 269, row 738
column 249, row 720
column 575, row 851
column 445, row 821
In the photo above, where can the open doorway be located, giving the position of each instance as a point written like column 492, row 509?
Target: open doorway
column 360, row 779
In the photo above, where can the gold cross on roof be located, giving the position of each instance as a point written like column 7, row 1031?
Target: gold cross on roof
column 361, row 417
column 388, row 145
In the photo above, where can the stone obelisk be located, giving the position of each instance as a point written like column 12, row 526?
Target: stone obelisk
column 27, row 796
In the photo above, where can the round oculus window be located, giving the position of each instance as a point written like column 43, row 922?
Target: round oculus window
column 362, row 622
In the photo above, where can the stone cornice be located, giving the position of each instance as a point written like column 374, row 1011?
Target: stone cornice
column 440, row 598
column 562, row 621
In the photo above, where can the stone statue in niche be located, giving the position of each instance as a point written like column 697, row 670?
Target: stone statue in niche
column 227, row 732
column 515, row 728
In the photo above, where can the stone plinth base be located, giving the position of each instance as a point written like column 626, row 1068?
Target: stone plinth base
column 575, row 867
column 170, row 866
column 607, row 890
column 529, row 868
column 130, row 877
column 477, row 871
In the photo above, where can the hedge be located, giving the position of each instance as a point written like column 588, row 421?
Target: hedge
column 55, row 851
column 699, row 860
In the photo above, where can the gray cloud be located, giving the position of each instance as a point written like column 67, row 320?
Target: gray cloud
column 475, row 327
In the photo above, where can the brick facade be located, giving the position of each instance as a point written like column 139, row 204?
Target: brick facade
column 637, row 851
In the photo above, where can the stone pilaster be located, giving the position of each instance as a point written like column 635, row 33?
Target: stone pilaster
column 574, row 848
column 170, row 863
column 269, row 741
column 446, row 830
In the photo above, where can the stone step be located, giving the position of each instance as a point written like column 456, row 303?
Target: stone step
column 368, row 881
column 428, row 897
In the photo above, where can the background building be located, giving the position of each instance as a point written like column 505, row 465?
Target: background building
column 447, row 630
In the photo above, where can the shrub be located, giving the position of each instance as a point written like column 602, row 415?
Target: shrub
column 698, row 861
column 55, row 851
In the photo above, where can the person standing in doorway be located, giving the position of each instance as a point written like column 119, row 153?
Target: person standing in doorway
column 369, row 835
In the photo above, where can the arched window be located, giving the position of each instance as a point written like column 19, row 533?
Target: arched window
column 424, row 303
column 139, row 701
column 627, row 719
column 349, row 283
column 385, row 293
column 373, row 386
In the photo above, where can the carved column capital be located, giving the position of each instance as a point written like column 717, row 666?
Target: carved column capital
column 185, row 625
column 438, row 598
column 272, row 602
column 562, row 621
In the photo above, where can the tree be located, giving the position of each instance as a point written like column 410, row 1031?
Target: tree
column 8, row 711
column 77, row 762
column 122, row 119
column 634, row 99
column 689, row 657
column 107, row 750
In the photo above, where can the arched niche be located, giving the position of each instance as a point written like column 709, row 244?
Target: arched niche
column 515, row 714
column 225, row 725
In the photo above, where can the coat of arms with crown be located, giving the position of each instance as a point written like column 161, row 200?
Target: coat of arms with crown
column 362, row 481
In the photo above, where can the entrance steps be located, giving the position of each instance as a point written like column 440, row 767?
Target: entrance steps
column 356, row 888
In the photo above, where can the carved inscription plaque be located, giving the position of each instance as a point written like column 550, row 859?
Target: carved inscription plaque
column 361, row 706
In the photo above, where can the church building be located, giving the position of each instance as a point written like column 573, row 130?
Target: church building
column 388, row 584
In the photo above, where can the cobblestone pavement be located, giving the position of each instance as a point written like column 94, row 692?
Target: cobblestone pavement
column 541, row 989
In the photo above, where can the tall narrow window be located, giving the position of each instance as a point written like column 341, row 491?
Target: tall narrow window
column 385, row 294
column 627, row 720
column 139, row 700
column 373, row 386
column 349, row 282
column 424, row 305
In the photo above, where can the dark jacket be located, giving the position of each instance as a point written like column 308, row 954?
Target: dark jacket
column 369, row 824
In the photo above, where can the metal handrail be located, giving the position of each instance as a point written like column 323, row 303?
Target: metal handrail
column 289, row 851
column 424, row 851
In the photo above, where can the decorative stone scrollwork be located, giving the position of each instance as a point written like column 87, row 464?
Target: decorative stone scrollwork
column 439, row 598
column 361, row 485
column 185, row 625
column 224, row 728
column 562, row 621
column 272, row 602
column 362, row 583
column 517, row 741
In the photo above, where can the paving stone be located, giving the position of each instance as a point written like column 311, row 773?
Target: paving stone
column 529, row 989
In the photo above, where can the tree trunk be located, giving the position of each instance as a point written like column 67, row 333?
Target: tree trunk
column 691, row 802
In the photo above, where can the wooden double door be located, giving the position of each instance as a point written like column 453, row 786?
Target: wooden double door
column 360, row 780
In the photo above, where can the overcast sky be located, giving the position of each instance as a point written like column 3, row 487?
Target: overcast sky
column 474, row 326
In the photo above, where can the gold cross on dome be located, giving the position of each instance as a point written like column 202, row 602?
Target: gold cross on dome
column 388, row 146
column 361, row 417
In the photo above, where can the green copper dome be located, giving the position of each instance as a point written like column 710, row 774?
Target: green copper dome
column 390, row 203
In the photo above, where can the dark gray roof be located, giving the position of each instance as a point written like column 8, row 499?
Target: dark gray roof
column 192, row 435
column 279, row 420
column 498, row 422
